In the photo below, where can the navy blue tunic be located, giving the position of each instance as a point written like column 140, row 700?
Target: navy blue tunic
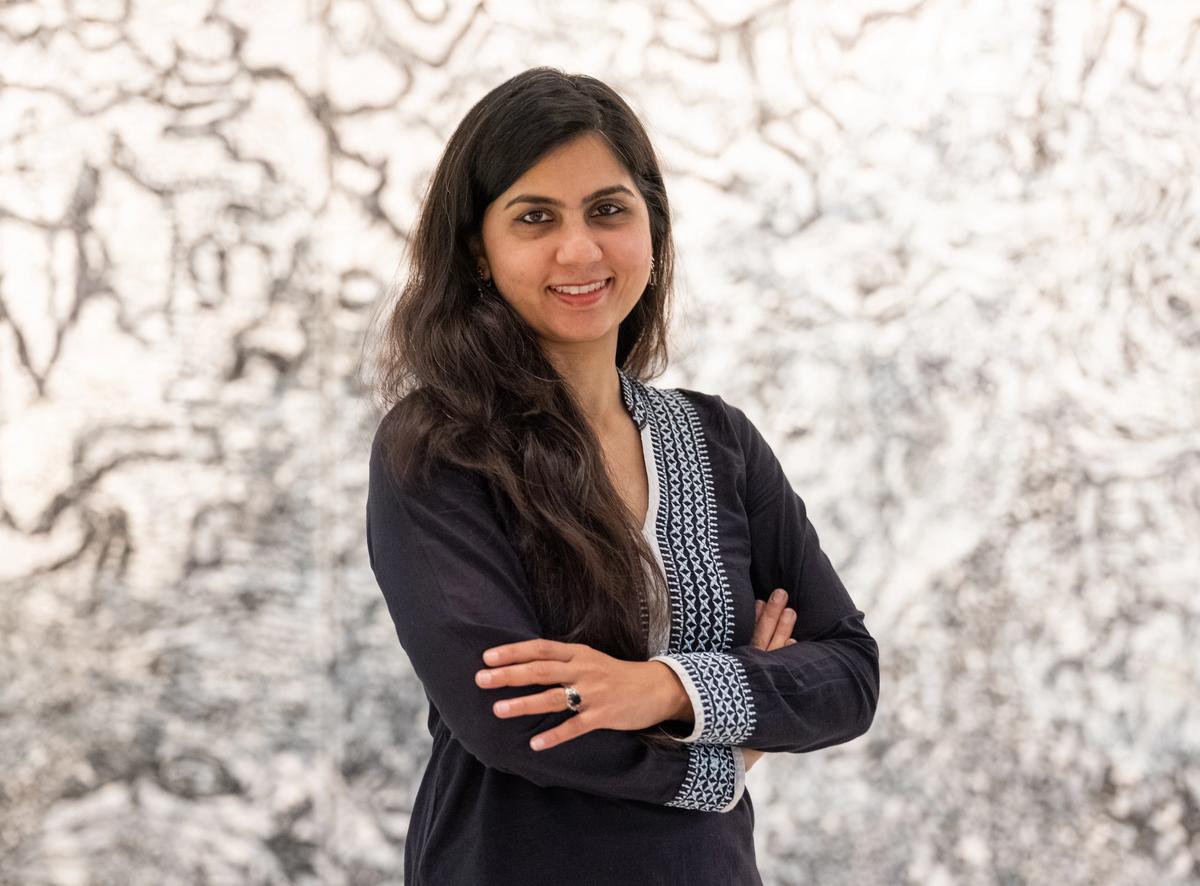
column 606, row 808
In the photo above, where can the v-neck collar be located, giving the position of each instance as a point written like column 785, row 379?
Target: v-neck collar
column 635, row 400
column 682, row 520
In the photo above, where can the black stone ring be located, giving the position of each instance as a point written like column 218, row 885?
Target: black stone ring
column 573, row 699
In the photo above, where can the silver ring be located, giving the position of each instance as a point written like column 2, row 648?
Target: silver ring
column 573, row 699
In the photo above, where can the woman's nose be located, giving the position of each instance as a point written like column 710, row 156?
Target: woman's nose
column 578, row 246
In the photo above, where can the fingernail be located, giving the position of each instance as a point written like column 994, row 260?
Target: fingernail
column 778, row 596
column 501, row 707
column 483, row 678
column 537, row 743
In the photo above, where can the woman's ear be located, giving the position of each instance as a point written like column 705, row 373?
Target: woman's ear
column 481, row 263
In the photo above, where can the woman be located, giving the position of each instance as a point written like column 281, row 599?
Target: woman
column 578, row 563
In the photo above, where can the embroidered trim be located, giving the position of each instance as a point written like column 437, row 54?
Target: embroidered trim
column 714, row 781
column 719, row 690
column 702, row 614
column 686, row 519
column 631, row 396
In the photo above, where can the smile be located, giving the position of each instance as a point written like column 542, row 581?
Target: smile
column 581, row 289
column 586, row 294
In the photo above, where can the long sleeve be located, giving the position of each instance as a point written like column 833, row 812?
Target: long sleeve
column 454, row 586
column 823, row 689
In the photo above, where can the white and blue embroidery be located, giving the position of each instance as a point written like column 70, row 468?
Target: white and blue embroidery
column 712, row 780
column 702, row 613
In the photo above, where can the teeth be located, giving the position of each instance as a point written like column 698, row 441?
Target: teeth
column 579, row 290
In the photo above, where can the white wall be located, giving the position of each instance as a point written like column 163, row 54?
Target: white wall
column 945, row 254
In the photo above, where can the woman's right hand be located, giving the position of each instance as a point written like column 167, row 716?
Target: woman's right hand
column 773, row 623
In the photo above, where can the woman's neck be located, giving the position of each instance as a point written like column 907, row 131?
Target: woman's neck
column 592, row 377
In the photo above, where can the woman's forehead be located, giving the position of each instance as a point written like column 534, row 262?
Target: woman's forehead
column 572, row 172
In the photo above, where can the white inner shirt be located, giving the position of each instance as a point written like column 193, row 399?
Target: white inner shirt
column 659, row 605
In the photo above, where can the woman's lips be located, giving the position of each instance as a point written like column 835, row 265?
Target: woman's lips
column 586, row 298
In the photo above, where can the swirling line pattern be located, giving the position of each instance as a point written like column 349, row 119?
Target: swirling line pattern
column 946, row 255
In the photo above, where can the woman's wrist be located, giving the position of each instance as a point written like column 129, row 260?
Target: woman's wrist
column 676, row 704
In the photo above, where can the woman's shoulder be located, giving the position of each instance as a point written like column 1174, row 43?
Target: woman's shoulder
column 401, row 453
column 716, row 414
column 397, row 424
column 711, row 408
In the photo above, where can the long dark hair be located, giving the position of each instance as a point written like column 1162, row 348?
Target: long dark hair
column 474, row 388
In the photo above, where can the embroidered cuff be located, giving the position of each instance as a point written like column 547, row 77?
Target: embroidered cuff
column 715, row 780
column 722, row 705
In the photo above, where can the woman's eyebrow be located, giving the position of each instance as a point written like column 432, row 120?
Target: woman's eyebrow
column 550, row 201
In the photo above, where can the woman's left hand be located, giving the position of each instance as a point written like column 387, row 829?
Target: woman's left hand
column 615, row 694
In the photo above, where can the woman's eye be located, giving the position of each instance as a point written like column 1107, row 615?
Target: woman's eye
column 616, row 209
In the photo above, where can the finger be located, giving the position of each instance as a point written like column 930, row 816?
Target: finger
column 783, row 629
column 572, row 728
column 537, row 703
column 764, row 628
column 533, row 673
column 762, row 632
column 790, row 642
column 529, row 650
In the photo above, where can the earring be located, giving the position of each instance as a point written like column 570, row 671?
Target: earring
column 480, row 282
column 653, row 276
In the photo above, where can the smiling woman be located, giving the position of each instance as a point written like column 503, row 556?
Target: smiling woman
column 583, row 247
column 578, row 563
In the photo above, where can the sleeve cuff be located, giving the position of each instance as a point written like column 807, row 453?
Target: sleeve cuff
column 722, row 705
column 715, row 780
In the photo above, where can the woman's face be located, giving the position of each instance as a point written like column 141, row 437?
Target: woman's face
column 574, row 218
